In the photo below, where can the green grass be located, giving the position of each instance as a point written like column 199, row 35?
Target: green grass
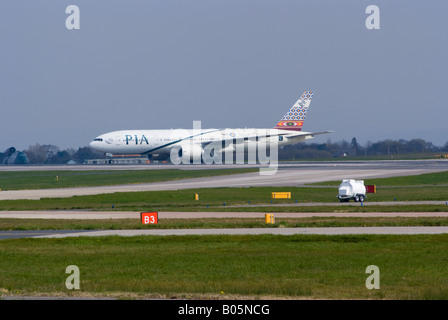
column 427, row 179
column 422, row 187
column 219, row 199
column 301, row 266
column 19, row 180
column 10, row 224
column 174, row 200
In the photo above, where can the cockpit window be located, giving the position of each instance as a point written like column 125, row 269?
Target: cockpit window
column 98, row 139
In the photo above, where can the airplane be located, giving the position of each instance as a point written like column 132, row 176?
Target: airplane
column 198, row 144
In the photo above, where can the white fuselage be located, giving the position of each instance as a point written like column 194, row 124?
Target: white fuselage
column 162, row 141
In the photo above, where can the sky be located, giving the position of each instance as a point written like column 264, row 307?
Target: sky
column 161, row 64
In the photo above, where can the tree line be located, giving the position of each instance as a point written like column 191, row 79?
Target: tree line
column 48, row 154
column 51, row 154
column 344, row 148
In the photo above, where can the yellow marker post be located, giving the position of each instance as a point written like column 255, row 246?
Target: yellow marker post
column 281, row 195
column 196, row 196
column 269, row 218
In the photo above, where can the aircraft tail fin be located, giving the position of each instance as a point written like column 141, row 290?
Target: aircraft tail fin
column 293, row 119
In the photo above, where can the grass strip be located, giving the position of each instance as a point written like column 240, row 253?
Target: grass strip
column 7, row 224
column 20, row 180
column 426, row 179
column 219, row 199
column 300, row 266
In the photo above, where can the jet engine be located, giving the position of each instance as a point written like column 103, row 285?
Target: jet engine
column 190, row 154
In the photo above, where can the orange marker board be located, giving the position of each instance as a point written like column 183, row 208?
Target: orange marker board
column 149, row 217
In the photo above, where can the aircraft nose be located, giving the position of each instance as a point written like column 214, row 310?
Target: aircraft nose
column 93, row 144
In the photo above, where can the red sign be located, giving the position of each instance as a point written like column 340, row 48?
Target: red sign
column 149, row 217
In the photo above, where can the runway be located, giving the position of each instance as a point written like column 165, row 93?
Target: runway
column 34, row 233
column 287, row 174
column 107, row 215
column 46, row 234
column 256, row 231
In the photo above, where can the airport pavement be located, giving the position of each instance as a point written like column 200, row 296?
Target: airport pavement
column 240, row 231
column 16, row 234
column 256, row 231
column 350, row 164
column 87, row 215
column 288, row 174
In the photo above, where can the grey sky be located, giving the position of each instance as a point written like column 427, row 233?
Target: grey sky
column 229, row 63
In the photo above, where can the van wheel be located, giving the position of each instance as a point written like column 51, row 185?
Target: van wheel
column 361, row 198
column 356, row 198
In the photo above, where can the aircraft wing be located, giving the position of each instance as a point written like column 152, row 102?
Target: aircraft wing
column 267, row 135
column 311, row 134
